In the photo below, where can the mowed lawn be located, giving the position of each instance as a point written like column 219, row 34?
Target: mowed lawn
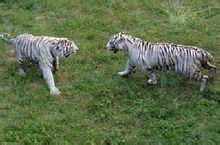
column 96, row 105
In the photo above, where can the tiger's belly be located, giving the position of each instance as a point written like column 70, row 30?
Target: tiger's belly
column 155, row 64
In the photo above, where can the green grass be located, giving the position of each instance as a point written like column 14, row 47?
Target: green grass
column 96, row 105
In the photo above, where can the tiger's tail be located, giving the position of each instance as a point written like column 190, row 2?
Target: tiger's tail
column 6, row 38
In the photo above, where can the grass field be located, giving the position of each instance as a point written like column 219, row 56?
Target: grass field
column 96, row 105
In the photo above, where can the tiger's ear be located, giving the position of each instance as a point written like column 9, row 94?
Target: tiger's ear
column 121, row 38
column 122, row 32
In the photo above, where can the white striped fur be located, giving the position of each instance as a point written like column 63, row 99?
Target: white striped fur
column 150, row 56
column 44, row 51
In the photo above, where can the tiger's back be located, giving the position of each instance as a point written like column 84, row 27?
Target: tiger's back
column 33, row 47
column 174, row 56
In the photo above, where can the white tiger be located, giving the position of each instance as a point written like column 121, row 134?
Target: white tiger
column 42, row 50
column 149, row 56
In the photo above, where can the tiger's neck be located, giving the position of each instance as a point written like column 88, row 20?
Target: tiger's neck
column 53, row 52
column 133, row 46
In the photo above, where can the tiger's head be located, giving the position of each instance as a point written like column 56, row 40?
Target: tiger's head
column 64, row 47
column 116, row 42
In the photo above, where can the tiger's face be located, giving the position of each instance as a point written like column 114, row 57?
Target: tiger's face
column 64, row 48
column 115, row 43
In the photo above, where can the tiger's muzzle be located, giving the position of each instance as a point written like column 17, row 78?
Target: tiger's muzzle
column 111, row 47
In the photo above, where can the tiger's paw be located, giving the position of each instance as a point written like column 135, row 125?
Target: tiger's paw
column 123, row 74
column 55, row 92
column 152, row 82
column 22, row 73
column 204, row 83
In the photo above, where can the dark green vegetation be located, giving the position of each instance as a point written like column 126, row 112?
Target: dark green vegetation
column 98, row 106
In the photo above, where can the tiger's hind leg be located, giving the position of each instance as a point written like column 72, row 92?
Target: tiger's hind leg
column 211, row 68
column 128, row 69
column 152, row 78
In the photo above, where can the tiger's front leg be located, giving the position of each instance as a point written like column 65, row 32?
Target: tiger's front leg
column 56, row 64
column 128, row 69
column 19, row 64
column 48, row 77
column 20, row 68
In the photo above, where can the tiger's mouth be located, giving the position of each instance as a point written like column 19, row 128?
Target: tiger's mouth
column 111, row 47
column 67, row 55
column 114, row 49
column 70, row 52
